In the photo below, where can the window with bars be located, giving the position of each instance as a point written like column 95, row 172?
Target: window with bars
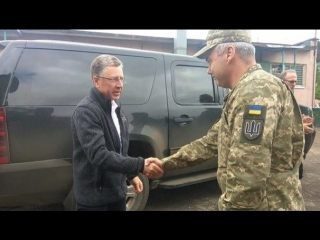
column 276, row 69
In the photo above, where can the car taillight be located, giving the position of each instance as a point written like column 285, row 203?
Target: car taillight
column 4, row 145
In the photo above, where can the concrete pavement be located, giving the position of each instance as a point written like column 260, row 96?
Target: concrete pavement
column 311, row 176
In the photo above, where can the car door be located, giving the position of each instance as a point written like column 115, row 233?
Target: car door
column 195, row 104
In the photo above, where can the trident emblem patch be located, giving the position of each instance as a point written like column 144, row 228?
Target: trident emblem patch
column 253, row 124
column 252, row 128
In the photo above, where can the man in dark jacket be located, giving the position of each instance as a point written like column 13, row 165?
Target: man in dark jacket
column 101, row 165
column 290, row 78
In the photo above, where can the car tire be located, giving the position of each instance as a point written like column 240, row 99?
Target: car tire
column 138, row 201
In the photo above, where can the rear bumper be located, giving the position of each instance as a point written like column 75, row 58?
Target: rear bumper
column 41, row 182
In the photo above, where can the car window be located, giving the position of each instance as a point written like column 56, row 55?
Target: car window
column 192, row 85
column 54, row 77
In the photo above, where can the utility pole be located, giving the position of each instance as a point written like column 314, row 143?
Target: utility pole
column 180, row 42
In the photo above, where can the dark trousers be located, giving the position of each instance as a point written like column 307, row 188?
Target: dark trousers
column 301, row 171
column 116, row 206
column 301, row 167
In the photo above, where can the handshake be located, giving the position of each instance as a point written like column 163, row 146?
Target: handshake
column 153, row 168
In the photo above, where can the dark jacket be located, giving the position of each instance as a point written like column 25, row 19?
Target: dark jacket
column 99, row 170
column 309, row 139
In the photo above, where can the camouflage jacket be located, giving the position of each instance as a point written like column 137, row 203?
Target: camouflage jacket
column 262, row 135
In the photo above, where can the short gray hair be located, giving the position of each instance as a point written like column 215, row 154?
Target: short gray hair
column 284, row 73
column 103, row 61
column 244, row 49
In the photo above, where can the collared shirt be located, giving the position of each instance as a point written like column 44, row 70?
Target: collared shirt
column 115, row 118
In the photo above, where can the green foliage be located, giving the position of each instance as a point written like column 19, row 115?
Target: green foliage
column 317, row 93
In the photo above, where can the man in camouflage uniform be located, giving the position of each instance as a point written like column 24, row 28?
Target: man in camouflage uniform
column 259, row 138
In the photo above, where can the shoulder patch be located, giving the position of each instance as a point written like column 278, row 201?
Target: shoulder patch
column 253, row 124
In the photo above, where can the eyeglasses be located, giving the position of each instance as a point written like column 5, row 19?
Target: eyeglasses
column 114, row 79
column 291, row 81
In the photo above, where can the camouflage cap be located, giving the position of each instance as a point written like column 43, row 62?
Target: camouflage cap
column 215, row 37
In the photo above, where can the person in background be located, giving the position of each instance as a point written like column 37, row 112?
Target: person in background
column 290, row 78
column 101, row 165
column 258, row 159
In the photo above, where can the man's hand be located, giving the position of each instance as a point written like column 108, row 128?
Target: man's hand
column 153, row 168
column 137, row 184
column 307, row 129
column 307, row 124
column 307, row 120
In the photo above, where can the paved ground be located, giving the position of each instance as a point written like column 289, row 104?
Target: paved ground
column 311, row 177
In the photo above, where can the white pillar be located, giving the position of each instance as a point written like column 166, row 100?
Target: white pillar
column 180, row 42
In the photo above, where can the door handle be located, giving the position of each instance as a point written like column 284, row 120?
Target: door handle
column 182, row 119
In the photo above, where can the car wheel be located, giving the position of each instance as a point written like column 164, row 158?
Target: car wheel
column 138, row 201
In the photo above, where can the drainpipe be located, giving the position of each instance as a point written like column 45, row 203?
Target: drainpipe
column 283, row 60
column 294, row 59
column 315, row 68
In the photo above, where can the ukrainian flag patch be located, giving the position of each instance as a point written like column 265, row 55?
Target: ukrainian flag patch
column 255, row 109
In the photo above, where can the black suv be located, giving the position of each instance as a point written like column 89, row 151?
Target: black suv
column 169, row 100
